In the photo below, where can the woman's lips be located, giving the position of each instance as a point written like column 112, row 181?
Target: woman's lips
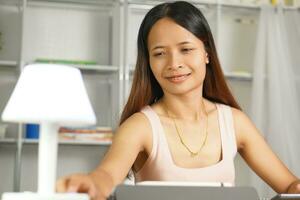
column 178, row 78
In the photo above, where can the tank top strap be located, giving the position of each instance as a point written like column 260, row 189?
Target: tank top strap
column 227, row 127
column 154, row 122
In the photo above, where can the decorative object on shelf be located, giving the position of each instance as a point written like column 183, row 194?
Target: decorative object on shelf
column 32, row 131
column 285, row 2
column 100, row 134
column 52, row 96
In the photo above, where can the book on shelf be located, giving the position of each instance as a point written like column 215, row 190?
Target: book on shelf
column 65, row 61
column 86, row 134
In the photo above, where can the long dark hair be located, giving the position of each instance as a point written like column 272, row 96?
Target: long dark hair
column 145, row 88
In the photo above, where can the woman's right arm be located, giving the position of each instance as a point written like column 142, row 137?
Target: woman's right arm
column 132, row 137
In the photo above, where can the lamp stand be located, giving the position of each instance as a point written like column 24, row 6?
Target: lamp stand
column 47, row 162
column 47, row 159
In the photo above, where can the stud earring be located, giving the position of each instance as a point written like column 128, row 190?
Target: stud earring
column 207, row 60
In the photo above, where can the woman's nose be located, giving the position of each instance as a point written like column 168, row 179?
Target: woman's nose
column 174, row 61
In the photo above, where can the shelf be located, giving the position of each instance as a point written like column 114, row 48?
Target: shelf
column 239, row 76
column 100, row 68
column 197, row 2
column 147, row 4
column 61, row 142
column 7, row 141
column 82, row 142
column 83, row 2
column 10, row 2
column 8, row 63
column 72, row 142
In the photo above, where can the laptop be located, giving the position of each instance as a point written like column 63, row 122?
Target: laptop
column 286, row 197
column 183, row 191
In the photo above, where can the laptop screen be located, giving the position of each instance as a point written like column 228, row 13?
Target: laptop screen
column 184, row 192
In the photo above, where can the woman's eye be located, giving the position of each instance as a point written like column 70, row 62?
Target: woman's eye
column 158, row 54
column 186, row 50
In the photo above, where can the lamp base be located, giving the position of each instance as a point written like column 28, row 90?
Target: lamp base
column 36, row 196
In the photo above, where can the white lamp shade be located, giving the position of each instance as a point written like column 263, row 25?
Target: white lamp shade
column 50, row 93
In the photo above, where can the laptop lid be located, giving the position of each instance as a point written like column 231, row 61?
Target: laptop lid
column 183, row 192
column 286, row 197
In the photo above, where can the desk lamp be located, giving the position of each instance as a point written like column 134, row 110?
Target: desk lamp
column 52, row 96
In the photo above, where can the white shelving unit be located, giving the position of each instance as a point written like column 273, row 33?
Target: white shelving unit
column 75, row 31
column 11, row 34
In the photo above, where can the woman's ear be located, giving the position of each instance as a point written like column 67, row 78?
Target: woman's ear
column 206, row 58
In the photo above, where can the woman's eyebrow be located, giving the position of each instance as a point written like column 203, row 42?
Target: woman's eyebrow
column 178, row 44
column 157, row 47
column 184, row 42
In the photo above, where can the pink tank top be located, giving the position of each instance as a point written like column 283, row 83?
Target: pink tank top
column 160, row 166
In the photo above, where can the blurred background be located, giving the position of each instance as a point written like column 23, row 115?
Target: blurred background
column 258, row 43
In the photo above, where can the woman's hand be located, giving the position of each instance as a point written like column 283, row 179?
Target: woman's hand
column 294, row 188
column 95, row 185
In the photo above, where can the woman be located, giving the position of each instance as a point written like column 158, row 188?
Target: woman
column 181, row 122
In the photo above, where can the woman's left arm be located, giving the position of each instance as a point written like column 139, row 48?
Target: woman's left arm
column 259, row 156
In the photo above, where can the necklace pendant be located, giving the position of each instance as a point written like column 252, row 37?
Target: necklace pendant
column 193, row 154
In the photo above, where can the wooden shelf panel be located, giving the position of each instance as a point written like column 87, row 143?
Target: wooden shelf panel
column 61, row 142
column 8, row 63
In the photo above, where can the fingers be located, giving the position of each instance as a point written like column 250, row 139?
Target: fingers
column 75, row 184
column 294, row 188
column 70, row 184
column 61, row 185
column 92, row 192
column 78, row 183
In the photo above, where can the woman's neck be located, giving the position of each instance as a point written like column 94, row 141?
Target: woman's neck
column 192, row 108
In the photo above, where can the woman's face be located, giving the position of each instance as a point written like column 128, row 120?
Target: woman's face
column 177, row 57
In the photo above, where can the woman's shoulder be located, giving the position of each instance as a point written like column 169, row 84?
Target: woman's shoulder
column 135, row 128
column 236, row 113
column 239, row 117
column 136, row 121
column 244, row 127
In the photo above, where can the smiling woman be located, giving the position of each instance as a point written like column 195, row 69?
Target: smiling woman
column 193, row 29
column 181, row 122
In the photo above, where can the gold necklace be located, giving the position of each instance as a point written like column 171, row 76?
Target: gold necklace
column 192, row 153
